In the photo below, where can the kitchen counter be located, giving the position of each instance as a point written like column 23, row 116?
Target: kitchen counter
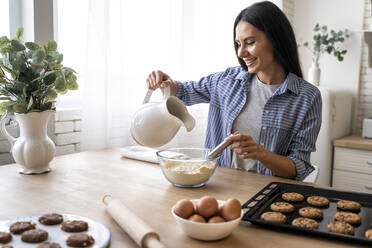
column 354, row 142
column 78, row 182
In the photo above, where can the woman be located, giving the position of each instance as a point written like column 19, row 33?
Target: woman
column 277, row 113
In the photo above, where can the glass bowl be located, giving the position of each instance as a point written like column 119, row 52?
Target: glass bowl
column 187, row 167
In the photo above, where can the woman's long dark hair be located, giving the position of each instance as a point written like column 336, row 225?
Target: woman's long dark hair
column 268, row 18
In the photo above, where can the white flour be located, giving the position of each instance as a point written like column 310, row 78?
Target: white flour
column 188, row 172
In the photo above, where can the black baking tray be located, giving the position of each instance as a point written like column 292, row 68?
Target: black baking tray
column 272, row 192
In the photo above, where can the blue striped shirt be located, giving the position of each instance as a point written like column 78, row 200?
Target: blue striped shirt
column 291, row 118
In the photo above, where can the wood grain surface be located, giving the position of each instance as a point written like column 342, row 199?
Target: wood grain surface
column 78, row 182
column 354, row 142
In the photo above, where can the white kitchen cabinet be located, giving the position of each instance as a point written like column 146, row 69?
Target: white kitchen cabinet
column 336, row 123
column 352, row 164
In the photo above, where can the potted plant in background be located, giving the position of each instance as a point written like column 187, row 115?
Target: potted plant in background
column 324, row 41
column 31, row 77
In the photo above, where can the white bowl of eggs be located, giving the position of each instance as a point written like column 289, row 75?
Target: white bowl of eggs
column 207, row 218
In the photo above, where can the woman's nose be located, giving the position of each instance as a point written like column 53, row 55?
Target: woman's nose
column 242, row 52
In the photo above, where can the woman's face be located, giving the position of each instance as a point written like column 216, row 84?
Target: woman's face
column 254, row 48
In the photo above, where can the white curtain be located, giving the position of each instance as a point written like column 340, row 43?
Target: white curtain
column 115, row 44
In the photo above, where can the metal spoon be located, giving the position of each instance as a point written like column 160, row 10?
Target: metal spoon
column 218, row 149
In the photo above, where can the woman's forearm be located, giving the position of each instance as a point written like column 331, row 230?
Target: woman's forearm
column 280, row 165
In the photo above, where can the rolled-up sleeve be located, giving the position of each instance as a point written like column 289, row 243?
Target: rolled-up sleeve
column 304, row 141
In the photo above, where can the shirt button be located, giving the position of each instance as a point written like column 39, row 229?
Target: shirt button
column 267, row 111
column 263, row 128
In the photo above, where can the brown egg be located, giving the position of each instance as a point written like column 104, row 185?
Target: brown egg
column 184, row 208
column 216, row 219
column 197, row 218
column 231, row 209
column 207, row 206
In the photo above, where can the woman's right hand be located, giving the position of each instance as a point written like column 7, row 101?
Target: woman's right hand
column 159, row 79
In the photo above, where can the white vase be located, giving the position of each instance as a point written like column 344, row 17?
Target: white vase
column 33, row 149
column 314, row 73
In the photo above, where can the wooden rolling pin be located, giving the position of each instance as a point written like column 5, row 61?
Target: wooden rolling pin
column 137, row 229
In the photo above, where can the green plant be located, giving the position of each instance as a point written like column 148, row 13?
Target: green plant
column 326, row 41
column 31, row 76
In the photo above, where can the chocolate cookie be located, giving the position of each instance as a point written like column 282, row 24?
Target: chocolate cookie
column 21, row 226
column 80, row 240
column 51, row 219
column 274, row 217
column 341, row 227
column 348, row 205
column 305, row 222
column 310, row 212
column 348, row 217
column 74, row 226
column 283, row 207
column 292, row 197
column 318, row 201
column 5, row 237
column 34, row 236
column 49, row 245
column 369, row 234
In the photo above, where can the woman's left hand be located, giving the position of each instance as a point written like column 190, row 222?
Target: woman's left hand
column 246, row 147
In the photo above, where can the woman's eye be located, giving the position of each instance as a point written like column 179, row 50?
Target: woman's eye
column 250, row 43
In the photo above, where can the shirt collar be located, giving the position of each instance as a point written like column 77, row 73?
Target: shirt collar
column 290, row 83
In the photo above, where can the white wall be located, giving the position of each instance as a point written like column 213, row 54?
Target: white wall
column 336, row 14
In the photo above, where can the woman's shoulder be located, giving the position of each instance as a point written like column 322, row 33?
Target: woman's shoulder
column 303, row 86
column 236, row 72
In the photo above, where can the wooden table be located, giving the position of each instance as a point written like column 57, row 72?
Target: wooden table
column 78, row 182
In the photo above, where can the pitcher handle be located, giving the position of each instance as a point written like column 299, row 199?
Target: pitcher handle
column 10, row 138
column 149, row 93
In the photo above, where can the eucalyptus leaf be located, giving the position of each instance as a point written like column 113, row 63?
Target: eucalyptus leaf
column 32, row 76
column 17, row 45
column 69, row 69
column 19, row 33
column 51, row 94
column 38, row 56
column 32, row 46
column 20, row 107
column 4, row 41
column 50, row 46
column 326, row 41
column 60, row 85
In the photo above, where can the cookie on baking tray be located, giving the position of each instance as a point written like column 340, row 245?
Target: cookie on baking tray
column 368, row 234
column 341, row 227
column 292, row 197
column 51, row 219
column 274, row 217
column 49, row 245
column 6, row 246
column 310, row 212
column 80, row 240
column 34, row 236
column 319, row 201
column 305, row 222
column 21, row 226
column 74, row 226
column 348, row 205
column 5, row 237
column 348, row 217
column 283, row 207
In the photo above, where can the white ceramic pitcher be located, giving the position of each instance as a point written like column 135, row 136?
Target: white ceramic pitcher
column 156, row 123
column 33, row 149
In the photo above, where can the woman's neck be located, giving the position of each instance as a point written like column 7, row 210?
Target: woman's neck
column 273, row 75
